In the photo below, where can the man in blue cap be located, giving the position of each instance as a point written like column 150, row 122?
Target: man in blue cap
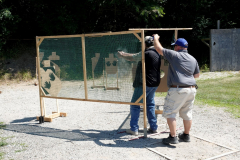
column 183, row 69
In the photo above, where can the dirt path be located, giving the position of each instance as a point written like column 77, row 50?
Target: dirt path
column 91, row 131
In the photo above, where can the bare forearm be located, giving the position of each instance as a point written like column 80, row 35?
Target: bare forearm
column 126, row 56
column 157, row 45
column 196, row 75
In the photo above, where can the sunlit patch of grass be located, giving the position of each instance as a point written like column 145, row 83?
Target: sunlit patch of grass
column 2, row 141
column 160, row 94
column 204, row 68
column 5, row 76
column 23, row 75
column 23, row 146
column 2, row 155
column 220, row 92
column 2, row 125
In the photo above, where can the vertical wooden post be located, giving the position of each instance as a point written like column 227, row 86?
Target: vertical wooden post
column 84, row 67
column 57, row 106
column 106, row 80
column 44, row 106
column 42, row 110
column 36, row 67
column 103, row 71
column 144, row 85
column 176, row 34
column 93, row 76
column 117, row 78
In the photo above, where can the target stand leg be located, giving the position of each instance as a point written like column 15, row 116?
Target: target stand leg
column 41, row 119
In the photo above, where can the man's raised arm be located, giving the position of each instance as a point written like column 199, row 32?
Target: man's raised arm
column 157, row 44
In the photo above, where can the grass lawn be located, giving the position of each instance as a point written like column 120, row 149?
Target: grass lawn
column 220, row 92
column 2, row 141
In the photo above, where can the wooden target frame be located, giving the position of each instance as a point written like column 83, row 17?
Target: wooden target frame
column 42, row 95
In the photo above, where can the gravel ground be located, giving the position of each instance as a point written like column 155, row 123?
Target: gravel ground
column 94, row 130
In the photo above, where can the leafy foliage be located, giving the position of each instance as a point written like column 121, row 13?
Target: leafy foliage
column 73, row 17
column 202, row 16
column 22, row 19
column 8, row 23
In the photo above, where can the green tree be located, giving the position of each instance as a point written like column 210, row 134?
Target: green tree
column 44, row 17
column 202, row 16
column 117, row 15
column 8, row 24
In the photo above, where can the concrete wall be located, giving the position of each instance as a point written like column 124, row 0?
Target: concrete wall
column 225, row 50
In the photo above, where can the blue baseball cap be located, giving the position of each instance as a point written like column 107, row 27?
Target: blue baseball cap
column 181, row 42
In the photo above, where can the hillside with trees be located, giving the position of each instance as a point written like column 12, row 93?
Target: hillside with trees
column 25, row 19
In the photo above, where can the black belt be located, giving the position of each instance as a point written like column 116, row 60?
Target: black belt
column 174, row 86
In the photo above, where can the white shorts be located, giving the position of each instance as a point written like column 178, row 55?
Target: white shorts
column 179, row 100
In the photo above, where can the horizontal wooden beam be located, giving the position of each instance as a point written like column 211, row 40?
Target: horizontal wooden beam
column 91, row 100
column 158, row 111
column 110, row 33
column 61, row 114
column 131, row 29
column 49, row 118
column 54, row 115
column 112, row 88
column 62, row 36
column 97, row 86
column 90, row 34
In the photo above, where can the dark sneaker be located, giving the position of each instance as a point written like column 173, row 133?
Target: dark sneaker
column 132, row 132
column 184, row 137
column 152, row 131
column 170, row 139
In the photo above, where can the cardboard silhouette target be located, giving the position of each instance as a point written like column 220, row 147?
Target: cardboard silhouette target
column 111, row 67
column 163, row 84
column 52, row 58
column 50, row 82
column 94, row 63
column 41, row 54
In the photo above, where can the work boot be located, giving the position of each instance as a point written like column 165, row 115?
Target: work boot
column 152, row 131
column 132, row 132
column 170, row 139
column 184, row 137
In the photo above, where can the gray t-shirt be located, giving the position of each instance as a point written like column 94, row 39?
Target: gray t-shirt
column 182, row 67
